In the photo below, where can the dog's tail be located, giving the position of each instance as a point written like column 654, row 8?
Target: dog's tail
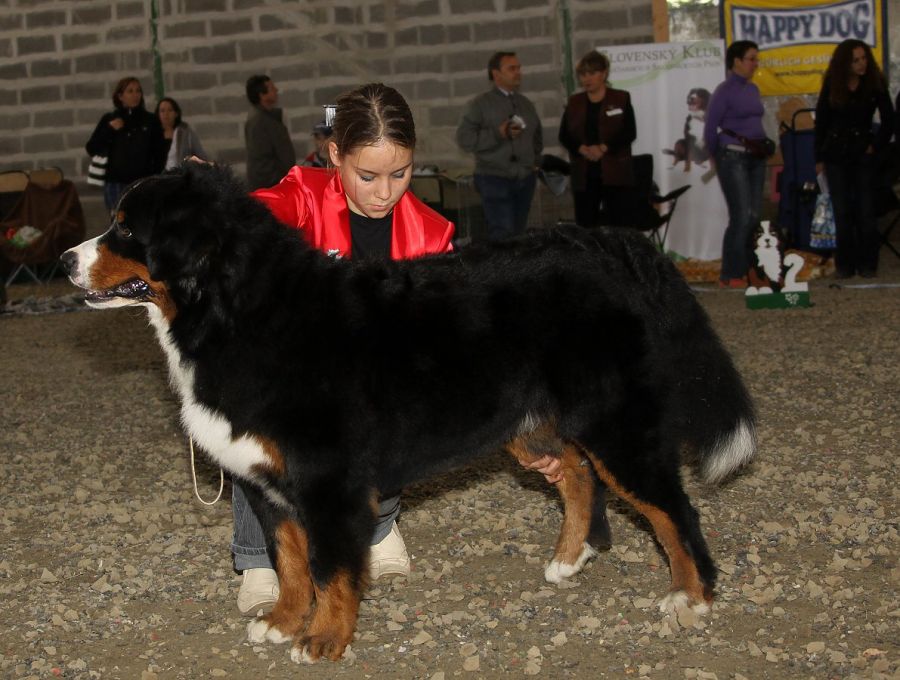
column 716, row 414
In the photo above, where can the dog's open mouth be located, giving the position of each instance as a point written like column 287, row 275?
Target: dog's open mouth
column 133, row 289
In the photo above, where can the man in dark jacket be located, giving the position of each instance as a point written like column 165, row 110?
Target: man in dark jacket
column 270, row 152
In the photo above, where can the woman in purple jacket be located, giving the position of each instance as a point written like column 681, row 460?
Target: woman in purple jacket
column 736, row 111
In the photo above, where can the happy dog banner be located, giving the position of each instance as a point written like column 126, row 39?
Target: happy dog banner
column 796, row 38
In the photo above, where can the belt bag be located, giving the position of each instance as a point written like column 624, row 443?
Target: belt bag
column 758, row 148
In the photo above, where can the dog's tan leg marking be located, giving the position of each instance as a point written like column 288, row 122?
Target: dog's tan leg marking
column 295, row 596
column 685, row 577
column 576, row 489
column 333, row 623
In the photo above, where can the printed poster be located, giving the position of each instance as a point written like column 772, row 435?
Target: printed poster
column 670, row 85
column 797, row 37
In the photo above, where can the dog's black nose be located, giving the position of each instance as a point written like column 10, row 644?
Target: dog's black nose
column 69, row 261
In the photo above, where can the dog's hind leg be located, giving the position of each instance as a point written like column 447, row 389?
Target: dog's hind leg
column 295, row 596
column 578, row 490
column 658, row 495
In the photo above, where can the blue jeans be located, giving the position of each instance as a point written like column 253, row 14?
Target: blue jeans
column 112, row 191
column 742, row 177
column 248, row 543
column 852, row 187
column 506, row 203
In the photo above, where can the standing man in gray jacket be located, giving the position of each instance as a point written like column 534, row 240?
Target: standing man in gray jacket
column 270, row 151
column 501, row 127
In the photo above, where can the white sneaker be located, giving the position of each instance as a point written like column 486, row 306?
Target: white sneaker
column 389, row 556
column 259, row 591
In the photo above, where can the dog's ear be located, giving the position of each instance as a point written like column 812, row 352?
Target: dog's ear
column 183, row 243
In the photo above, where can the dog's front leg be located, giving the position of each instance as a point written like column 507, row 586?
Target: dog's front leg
column 295, row 597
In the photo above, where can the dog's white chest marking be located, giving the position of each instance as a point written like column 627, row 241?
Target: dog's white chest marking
column 210, row 430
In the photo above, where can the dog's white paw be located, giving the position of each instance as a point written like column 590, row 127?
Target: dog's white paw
column 679, row 600
column 557, row 571
column 258, row 630
column 300, row 655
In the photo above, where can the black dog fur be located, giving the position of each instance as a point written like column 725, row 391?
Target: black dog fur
column 371, row 375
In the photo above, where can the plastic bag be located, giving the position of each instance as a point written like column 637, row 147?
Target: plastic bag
column 822, row 230
column 24, row 236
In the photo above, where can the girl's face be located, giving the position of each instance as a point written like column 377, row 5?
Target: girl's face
column 374, row 177
column 131, row 95
column 167, row 115
column 859, row 63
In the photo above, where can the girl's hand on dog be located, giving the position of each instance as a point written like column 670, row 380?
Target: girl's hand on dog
column 548, row 466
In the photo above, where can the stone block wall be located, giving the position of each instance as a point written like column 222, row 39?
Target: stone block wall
column 60, row 59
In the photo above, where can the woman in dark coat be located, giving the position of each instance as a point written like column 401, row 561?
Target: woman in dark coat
column 598, row 128
column 853, row 88
column 130, row 137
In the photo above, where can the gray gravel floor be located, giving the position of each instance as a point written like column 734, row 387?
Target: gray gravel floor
column 110, row 568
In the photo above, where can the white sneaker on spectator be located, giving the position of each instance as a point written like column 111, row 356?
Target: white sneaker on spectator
column 259, row 591
column 389, row 556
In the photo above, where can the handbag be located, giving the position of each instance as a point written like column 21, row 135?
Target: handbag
column 97, row 171
column 823, row 233
column 758, row 148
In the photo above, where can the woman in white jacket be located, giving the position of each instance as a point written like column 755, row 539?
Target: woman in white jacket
column 183, row 142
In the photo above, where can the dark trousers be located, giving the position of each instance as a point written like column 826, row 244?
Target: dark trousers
column 506, row 203
column 598, row 205
column 852, row 187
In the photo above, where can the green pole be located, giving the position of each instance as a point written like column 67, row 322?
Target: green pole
column 568, row 70
column 159, row 86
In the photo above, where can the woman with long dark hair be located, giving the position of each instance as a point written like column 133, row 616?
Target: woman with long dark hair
column 180, row 140
column 846, row 144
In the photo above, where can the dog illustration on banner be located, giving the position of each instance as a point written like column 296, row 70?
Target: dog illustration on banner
column 775, row 274
column 691, row 148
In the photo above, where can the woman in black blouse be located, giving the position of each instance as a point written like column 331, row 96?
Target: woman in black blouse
column 853, row 88
column 598, row 128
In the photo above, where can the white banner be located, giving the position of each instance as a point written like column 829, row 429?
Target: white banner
column 662, row 78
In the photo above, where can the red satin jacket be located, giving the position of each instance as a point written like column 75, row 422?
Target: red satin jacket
column 312, row 200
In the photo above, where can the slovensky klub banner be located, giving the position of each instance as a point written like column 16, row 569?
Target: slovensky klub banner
column 670, row 85
column 796, row 37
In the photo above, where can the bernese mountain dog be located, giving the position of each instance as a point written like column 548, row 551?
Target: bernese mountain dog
column 322, row 383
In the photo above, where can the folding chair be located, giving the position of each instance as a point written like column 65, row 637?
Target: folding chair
column 46, row 177
column 887, row 193
column 648, row 203
column 12, row 184
column 56, row 212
